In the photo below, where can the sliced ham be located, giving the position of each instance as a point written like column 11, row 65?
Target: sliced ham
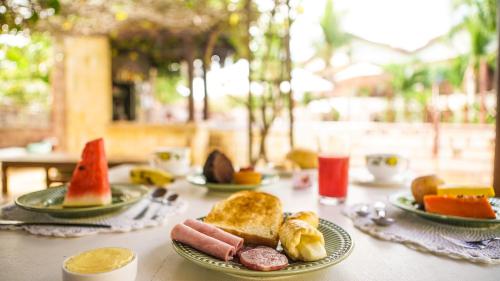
column 214, row 232
column 202, row 242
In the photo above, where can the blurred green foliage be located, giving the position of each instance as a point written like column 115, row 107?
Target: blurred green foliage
column 21, row 15
column 24, row 70
column 479, row 20
column 166, row 88
column 333, row 35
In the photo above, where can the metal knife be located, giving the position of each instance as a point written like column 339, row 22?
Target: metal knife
column 69, row 224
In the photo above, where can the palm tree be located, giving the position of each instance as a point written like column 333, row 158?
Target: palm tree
column 480, row 23
column 333, row 36
column 405, row 81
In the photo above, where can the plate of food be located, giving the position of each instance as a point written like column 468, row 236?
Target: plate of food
column 296, row 161
column 465, row 205
column 51, row 201
column 220, row 175
column 88, row 193
column 262, row 243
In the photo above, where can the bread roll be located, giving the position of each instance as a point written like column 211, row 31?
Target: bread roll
column 301, row 241
column 307, row 216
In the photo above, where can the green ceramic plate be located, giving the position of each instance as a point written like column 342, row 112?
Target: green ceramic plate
column 338, row 245
column 199, row 180
column 50, row 201
column 405, row 201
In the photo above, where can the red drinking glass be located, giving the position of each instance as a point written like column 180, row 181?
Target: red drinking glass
column 333, row 179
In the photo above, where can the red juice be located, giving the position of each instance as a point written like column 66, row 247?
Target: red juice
column 333, row 176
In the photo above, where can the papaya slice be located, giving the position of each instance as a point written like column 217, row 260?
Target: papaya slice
column 461, row 206
column 247, row 177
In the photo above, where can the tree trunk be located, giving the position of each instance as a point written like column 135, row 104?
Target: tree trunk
column 435, row 120
column 483, row 85
column 407, row 112
column 470, row 90
column 207, row 62
column 248, row 11
column 262, row 149
column 288, row 62
column 390, row 115
column 206, row 113
column 189, row 57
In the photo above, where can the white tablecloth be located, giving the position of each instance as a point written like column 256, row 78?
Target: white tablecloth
column 28, row 257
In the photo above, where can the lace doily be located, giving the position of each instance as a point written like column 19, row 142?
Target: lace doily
column 425, row 235
column 123, row 221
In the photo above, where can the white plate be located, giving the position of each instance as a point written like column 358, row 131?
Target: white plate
column 338, row 245
column 199, row 180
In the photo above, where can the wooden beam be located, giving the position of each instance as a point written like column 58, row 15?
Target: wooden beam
column 496, row 167
column 58, row 88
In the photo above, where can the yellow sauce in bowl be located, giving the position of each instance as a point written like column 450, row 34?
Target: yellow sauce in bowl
column 99, row 260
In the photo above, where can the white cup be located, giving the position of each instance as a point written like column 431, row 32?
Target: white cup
column 386, row 166
column 174, row 160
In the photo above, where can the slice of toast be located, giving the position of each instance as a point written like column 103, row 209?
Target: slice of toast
column 254, row 216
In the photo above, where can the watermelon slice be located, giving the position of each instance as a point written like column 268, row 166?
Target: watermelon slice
column 89, row 184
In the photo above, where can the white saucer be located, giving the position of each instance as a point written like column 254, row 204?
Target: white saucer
column 289, row 174
column 364, row 178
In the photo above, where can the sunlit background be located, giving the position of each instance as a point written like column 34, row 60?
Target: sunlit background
column 405, row 76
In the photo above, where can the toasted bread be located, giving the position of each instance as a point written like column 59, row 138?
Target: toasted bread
column 254, row 216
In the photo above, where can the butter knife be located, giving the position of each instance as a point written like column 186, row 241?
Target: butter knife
column 69, row 224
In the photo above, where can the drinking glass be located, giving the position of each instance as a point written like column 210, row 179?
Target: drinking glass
column 333, row 178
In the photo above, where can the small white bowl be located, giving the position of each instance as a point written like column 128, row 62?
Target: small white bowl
column 386, row 166
column 127, row 272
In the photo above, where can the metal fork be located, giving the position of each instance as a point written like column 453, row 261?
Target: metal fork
column 475, row 244
column 165, row 201
column 157, row 193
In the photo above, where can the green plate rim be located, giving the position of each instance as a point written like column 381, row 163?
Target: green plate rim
column 395, row 200
column 75, row 210
column 221, row 266
column 267, row 179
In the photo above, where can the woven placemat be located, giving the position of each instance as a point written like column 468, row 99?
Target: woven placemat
column 121, row 221
column 425, row 235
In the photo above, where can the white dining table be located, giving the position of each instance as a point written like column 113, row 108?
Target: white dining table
column 28, row 257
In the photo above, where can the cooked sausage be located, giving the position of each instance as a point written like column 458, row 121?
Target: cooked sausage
column 263, row 259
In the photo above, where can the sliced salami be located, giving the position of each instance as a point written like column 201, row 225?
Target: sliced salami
column 243, row 249
column 263, row 259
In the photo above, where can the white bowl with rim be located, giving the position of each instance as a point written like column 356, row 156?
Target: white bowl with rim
column 386, row 166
